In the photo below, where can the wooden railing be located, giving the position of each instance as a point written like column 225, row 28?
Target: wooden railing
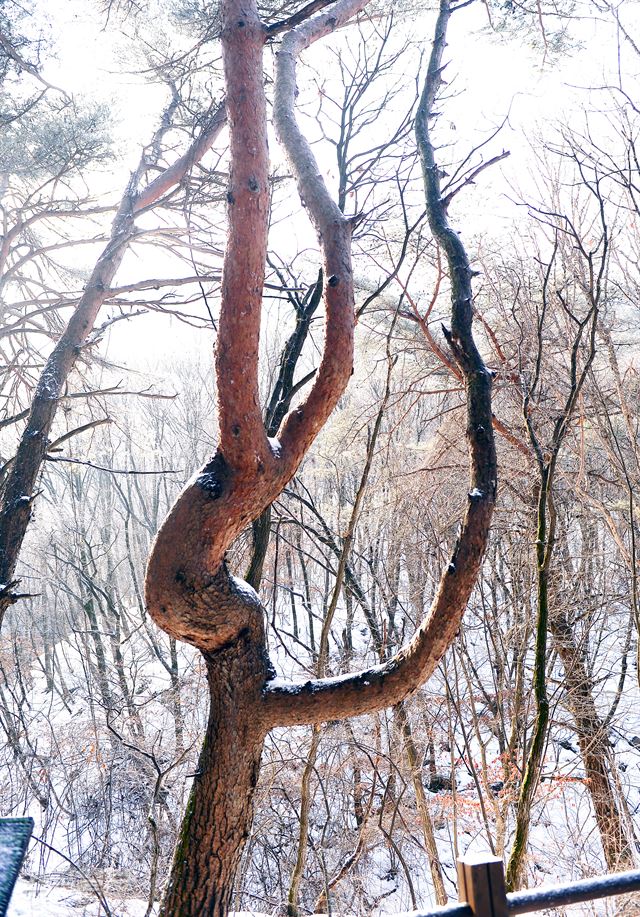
column 480, row 882
column 482, row 891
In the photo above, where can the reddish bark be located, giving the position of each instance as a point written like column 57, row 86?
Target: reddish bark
column 219, row 811
column 243, row 440
column 189, row 590
column 595, row 747
column 248, row 472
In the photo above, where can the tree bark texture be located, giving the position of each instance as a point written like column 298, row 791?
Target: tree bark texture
column 218, row 818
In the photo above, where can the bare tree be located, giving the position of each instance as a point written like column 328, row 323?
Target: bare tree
column 22, row 470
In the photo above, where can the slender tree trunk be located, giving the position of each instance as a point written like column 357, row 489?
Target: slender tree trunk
column 176, row 703
column 305, row 809
column 545, row 539
column 413, row 760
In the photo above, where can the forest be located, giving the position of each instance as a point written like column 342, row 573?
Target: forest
column 319, row 450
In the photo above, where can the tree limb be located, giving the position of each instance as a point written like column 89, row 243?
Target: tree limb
column 383, row 685
column 334, row 232
column 16, row 508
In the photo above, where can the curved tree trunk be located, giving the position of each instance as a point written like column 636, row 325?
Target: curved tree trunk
column 189, row 592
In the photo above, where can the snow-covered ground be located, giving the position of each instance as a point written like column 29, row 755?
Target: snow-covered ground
column 33, row 899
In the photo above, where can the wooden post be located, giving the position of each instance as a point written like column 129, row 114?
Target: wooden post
column 481, row 886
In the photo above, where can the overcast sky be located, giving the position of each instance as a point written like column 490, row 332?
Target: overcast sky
column 491, row 76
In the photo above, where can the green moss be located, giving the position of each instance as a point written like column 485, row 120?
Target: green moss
column 183, row 837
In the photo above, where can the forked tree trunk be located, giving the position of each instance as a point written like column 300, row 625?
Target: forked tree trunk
column 189, row 591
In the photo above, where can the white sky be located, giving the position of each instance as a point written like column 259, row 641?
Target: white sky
column 496, row 74
column 491, row 75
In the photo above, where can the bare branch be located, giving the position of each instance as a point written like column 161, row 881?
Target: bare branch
column 321, row 700
column 15, row 55
column 470, row 179
column 301, row 16
column 78, row 430
column 75, row 461
column 16, row 508
column 334, row 233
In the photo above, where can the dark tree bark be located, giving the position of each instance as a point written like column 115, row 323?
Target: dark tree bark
column 279, row 404
column 218, row 818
